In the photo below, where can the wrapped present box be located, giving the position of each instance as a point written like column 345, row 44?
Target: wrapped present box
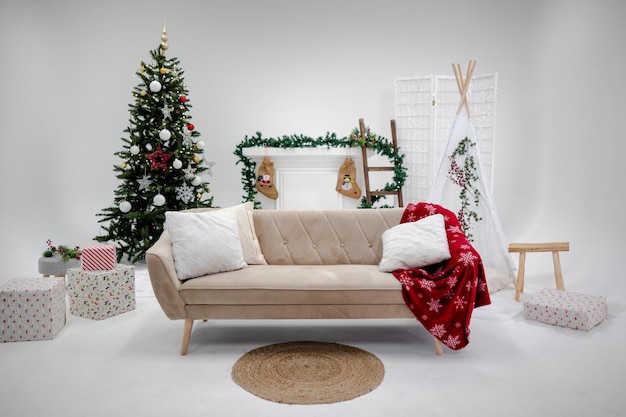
column 566, row 309
column 31, row 309
column 99, row 295
column 98, row 258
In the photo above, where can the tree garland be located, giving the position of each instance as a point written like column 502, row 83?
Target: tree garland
column 465, row 177
column 377, row 143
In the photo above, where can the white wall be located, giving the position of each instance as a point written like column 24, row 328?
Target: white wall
column 304, row 67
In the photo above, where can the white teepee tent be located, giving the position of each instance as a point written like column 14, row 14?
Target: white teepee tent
column 459, row 185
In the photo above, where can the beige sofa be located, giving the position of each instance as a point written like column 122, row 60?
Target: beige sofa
column 320, row 264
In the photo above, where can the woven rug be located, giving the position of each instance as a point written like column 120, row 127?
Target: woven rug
column 308, row 372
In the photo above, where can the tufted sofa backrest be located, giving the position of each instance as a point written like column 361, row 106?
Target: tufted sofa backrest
column 323, row 237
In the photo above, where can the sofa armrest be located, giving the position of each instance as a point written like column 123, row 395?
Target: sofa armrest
column 165, row 283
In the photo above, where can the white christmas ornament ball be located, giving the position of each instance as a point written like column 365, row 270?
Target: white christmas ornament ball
column 200, row 145
column 165, row 134
column 125, row 206
column 155, row 86
column 158, row 200
column 177, row 164
column 134, row 149
column 196, row 180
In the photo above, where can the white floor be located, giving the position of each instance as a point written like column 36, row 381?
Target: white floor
column 129, row 365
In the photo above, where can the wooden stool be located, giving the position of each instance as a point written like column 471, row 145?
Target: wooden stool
column 522, row 248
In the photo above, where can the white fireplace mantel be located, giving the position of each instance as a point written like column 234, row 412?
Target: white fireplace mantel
column 306, row 177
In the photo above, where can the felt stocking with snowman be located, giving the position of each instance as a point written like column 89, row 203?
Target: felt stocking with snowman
column 346, row 180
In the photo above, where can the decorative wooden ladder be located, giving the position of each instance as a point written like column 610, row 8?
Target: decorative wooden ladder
column 366, row 168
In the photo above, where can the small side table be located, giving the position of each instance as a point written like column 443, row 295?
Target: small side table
column 522, row 248
column 55, row 265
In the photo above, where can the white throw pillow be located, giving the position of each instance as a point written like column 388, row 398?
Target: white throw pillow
column 247, row 234
column 204, row 242
column 415, row 244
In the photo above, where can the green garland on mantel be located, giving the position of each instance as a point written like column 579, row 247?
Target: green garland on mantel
column 377, row 143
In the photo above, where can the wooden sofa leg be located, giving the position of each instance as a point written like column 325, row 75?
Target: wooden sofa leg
column 186, row 336
column 438, row 346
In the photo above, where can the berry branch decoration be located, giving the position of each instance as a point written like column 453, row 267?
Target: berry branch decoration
column 377, row 143
column 465, row 177
column 65, row 252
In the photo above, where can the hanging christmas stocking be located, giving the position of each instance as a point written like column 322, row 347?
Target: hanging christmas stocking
column 346, row 180
column 265, row 179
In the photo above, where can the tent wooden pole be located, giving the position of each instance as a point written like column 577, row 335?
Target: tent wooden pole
column 458, row 74
column 463, row 84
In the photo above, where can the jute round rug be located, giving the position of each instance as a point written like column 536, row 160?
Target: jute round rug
column 308, row 372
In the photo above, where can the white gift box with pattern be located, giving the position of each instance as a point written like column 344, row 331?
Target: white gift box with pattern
column 99, row 295
column 31, row 309
column 566, row 309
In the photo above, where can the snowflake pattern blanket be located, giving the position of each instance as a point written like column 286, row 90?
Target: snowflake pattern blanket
column 443, row 296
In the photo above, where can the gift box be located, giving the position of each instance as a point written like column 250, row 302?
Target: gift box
column 98, row 258
column 99, row 295
column 566, row 309
column 31, row 309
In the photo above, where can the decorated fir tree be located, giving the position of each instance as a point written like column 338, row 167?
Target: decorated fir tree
column 162, row 159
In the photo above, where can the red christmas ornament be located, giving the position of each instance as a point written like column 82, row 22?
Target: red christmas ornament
column 158, row 159
column 190, row 126
column 183, row 99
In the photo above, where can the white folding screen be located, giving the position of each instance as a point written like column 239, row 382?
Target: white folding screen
column 425, row 111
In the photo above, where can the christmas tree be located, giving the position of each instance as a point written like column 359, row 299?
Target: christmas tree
column 162, row 159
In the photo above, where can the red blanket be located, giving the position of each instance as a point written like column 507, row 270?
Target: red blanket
column 443, row 296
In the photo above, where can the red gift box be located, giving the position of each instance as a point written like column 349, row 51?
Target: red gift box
column 98, row 258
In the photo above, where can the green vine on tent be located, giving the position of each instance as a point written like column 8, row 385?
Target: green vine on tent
column 378, row 144
column 465, row 177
